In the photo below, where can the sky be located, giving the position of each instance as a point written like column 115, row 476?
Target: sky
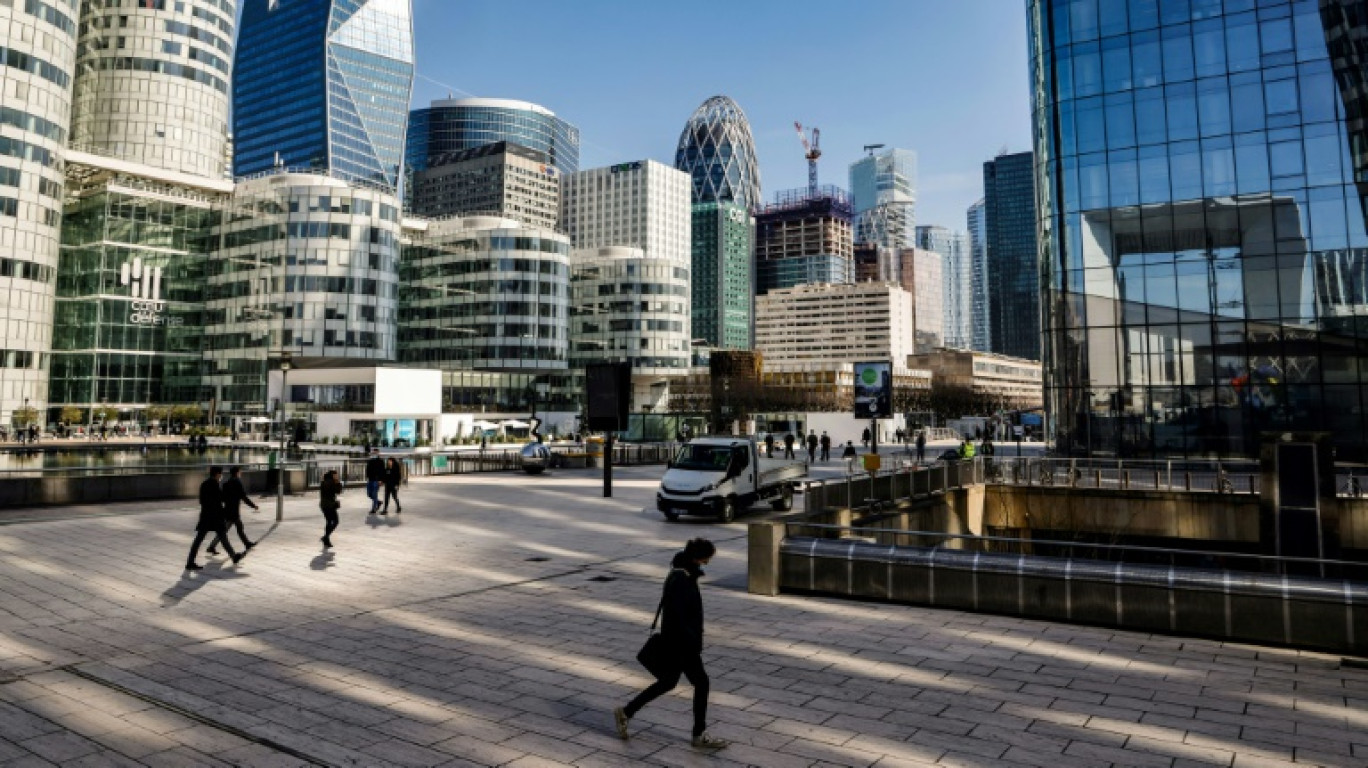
column 947, row 79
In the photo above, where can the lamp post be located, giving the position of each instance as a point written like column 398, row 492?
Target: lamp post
column 280, row 465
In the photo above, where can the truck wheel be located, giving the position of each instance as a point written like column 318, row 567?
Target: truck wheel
column 671, row 517
column 785, row 501
column 728, row 512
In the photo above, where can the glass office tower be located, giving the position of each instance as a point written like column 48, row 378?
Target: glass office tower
column 883, row 190
column 717, row 150
column 324, row 86
column 455, row 125
column 1009, row 222
column 1202, row 236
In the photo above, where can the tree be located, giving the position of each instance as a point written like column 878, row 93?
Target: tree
column 104, row 413
column 25, row 416
column 187, row 413
column 157, row 413
column 70, row 415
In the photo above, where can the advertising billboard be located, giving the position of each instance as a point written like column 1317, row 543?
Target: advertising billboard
column 874, row 390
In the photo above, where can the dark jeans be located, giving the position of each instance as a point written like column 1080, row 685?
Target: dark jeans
column 330, row 523
column 373, row 492
column 692, row 668
column 242, row 534
column 392, row 492
column 826, row 453
column 222, row 533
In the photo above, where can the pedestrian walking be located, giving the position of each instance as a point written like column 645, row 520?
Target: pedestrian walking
column 394, row 474
column 921, row 446
column 788, row 445
column 328, row 491
column 769, row 444
column 864, row 436
column 812, row 445
column 234, row 494
column 681, row 633
column 210, row 519
column 826, row 446
column 375, row 475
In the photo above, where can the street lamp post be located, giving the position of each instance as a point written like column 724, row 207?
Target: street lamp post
column 280, row 465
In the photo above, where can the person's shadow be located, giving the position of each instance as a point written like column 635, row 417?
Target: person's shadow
column 323, row 561
column 384, row 521
column 214, row 570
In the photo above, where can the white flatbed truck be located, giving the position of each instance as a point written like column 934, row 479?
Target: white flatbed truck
column 720, row 476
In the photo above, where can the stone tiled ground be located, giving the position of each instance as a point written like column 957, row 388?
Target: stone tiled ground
column 495, row 623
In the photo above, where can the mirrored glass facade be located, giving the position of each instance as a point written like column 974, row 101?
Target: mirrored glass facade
column 324, row 85
column 981, row 311
column 628, row 307
column 129, row 297
column 723, row 278
column 485, row 293
column 956, row 282
column 1203, row 240
column 1009, row 221
column 883, row 191
column 717, row 150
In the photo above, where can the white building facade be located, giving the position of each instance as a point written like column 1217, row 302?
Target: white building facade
column 827, row 323
column 35, row 109
column 153, row 83
column 642, row 204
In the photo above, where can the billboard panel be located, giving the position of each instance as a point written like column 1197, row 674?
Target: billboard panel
column 874, row 390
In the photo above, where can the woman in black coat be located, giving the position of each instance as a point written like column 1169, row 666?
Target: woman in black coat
column 394, row 474
column 681, row 613
column 328, row 491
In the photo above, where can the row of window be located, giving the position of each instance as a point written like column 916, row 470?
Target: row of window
column 27, row 62
column 195, row 33
column 32, row 123
column 26, row 270
column 46, row 216
column 138, row 64
column 10, row 147
column 51, row 15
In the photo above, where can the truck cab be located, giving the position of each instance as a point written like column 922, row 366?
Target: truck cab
column 718, row 476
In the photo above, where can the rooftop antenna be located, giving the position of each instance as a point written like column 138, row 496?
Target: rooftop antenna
column 871, row 147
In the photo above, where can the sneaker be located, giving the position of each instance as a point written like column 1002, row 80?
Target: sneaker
column 194, row 567
column 704, row 741
column 384, row 511
column 326, row 544
column 620, row 720
column 211, row 551
column 238, row 558
column 249, row 545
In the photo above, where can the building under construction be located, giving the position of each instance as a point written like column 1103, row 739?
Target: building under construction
column 804, row 237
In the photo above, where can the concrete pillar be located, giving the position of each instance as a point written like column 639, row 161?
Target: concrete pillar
column 762, row 558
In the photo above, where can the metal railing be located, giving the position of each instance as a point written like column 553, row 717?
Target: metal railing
column 1187, row 475
column 130, row 469
column 902, row 480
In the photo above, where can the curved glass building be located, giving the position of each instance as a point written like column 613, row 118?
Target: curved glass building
column 152, row 83
column 36, row 72
column 324, row 85
column 717, row 150
column 455, row 125
column 1200, row 171
column 486, row 293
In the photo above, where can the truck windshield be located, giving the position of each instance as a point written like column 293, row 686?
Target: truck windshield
column 708, row 458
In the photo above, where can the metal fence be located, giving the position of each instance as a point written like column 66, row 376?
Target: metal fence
column 353, row 470
column 903, row 480
column 1196, row 476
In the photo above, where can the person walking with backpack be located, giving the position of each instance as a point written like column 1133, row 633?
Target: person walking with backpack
column 375, row 475
column 210, row 519
column 394, row 475
column 234, row 494
column 681, row 635
column 328, row 491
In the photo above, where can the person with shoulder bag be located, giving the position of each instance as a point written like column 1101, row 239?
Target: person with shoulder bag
column 678, row 648
column 328, row 491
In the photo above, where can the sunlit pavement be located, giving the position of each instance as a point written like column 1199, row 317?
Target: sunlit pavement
column 495, row 622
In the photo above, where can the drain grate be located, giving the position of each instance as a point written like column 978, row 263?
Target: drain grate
column 603, row 578
column 537, row 559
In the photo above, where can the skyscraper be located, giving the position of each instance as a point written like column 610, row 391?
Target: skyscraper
column 642, row 204
column 956, row 282
column 1206, row 236
column 152, row 83
column 457, row 125
column 883, row 190
column 802, row 238
column 501, row 178
column 1014, row 282
column 980, row 312
column 723, row 275
column 40, row 40
column 717, row 151
column 324, row 85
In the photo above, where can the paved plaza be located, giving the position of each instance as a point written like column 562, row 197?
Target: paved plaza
column 495, row 622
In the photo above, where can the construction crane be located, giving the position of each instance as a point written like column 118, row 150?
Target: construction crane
column 811, row 150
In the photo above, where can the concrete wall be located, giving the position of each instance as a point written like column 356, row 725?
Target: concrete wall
column 1209, row 516
column 104, row 489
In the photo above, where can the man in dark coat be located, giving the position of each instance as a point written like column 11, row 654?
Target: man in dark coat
column 375, row 475
column 788, row 445
column 826, row 446
column 812, row 446
column 234, row 494
column 921, row 447
column 210, row 519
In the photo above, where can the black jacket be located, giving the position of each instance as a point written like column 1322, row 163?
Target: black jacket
column 375, row 469
column 211, row 505
column 394, row 476
column 681, row 619
column 234, row 494
column 328, row 492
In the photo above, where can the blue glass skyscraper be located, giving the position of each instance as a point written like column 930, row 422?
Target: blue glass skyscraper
column 717, row 150
column 1009, row 217
column 323, row 84
column 455, row 125
column 1204, row 254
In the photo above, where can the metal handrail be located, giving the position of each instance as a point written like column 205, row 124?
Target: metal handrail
column 1070, row 544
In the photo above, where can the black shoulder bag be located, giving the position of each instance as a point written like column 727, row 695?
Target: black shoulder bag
column 655, row 655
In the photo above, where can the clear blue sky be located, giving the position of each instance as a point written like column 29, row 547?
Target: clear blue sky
column 945, row 78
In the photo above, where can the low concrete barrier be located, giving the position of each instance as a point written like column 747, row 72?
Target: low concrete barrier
column 104, row 489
